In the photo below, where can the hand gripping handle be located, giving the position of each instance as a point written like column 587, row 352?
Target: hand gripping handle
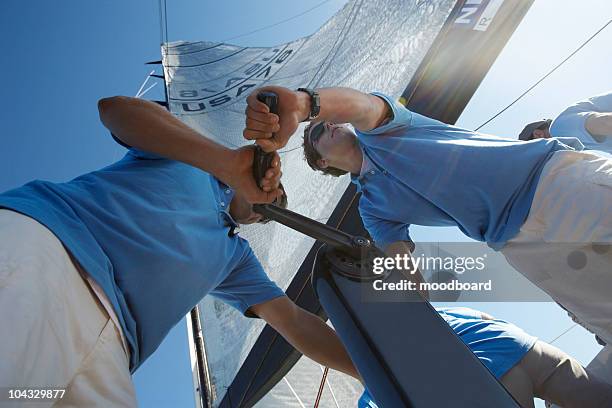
column 262, row 161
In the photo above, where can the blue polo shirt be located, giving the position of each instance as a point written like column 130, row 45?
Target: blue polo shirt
column 421, row 171
column 572, row 122
column 499, row 345
column 155, row 235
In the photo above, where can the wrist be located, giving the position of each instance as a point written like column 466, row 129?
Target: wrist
column 223, row 166
column 303, row 105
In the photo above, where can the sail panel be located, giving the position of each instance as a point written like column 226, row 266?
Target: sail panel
column 368, row 45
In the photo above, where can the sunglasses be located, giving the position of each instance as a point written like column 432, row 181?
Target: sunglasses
column 316, row 132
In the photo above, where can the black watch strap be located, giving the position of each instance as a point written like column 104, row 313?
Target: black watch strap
column 315, row 103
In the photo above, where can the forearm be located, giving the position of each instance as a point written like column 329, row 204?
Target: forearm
column 149, row 127
column 316, row 340
column 599, row 125
column 345, row 105
column 307, row 333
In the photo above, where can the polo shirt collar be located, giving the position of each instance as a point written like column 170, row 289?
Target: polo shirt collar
column 224, row 195
column 368, row 168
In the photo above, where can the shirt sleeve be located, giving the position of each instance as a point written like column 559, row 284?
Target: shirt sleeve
column 464, row 312
column 247, row 285
column 385, row 232
column 602, row 103
column 141, row 154
column 572, row 121
column 137, row 153
column 572, row 142
column 402, row 119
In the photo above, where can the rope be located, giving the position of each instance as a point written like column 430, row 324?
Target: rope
column 144, row 83
column 161, row 22
column 146, row 90
column 290, row 150
column 547, row 75
column 277, row 23
column 321, row 386
column 331, row 389
column 166, row 23
column 294, row 393
column 564, row 332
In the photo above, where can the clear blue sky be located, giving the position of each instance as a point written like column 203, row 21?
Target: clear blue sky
column 59, row 58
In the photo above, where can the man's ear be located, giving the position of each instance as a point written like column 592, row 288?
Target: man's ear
column 322, row 163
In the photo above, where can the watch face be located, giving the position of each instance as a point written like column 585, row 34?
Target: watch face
column 315, row 105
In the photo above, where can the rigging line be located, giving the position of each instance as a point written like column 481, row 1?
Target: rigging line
column 294, row 393
column 161, row 24
column 290, row 150
column 277, row 23
column 331, row 390
column 144, row 83
column 146, row 90
column 564, row 333
column 166, row 73
column 166, row 23
column 321, row 386
column 352, row 14
column 547, row 75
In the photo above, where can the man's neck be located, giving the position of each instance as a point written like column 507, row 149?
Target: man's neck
column 351, row 161
column 354, row 160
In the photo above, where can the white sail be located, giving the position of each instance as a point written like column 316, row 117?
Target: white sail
column 368, row 45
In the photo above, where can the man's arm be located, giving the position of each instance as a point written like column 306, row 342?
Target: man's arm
column 338, row 105
column 599, row 125
column 344, row 105
column 401, row 248
column 149, row 127
column 307, row 333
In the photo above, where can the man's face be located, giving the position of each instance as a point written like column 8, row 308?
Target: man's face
column 331, row 141
column 541, row 134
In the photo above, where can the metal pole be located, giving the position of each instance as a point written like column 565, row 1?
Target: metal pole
column 204, row 387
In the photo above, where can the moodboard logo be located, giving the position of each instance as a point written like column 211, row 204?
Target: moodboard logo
column 578, row 259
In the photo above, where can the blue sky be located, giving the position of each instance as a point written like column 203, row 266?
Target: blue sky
column 59, row 58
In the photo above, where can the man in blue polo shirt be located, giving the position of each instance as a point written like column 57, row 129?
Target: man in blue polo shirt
column 96, row 271
column 589, row 120
column 412, row 169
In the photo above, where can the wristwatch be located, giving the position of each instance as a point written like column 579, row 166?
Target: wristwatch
column 315, row 103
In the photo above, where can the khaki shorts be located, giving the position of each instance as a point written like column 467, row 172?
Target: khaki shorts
column 565, row 245
column 548, row 373
column 56, row 333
